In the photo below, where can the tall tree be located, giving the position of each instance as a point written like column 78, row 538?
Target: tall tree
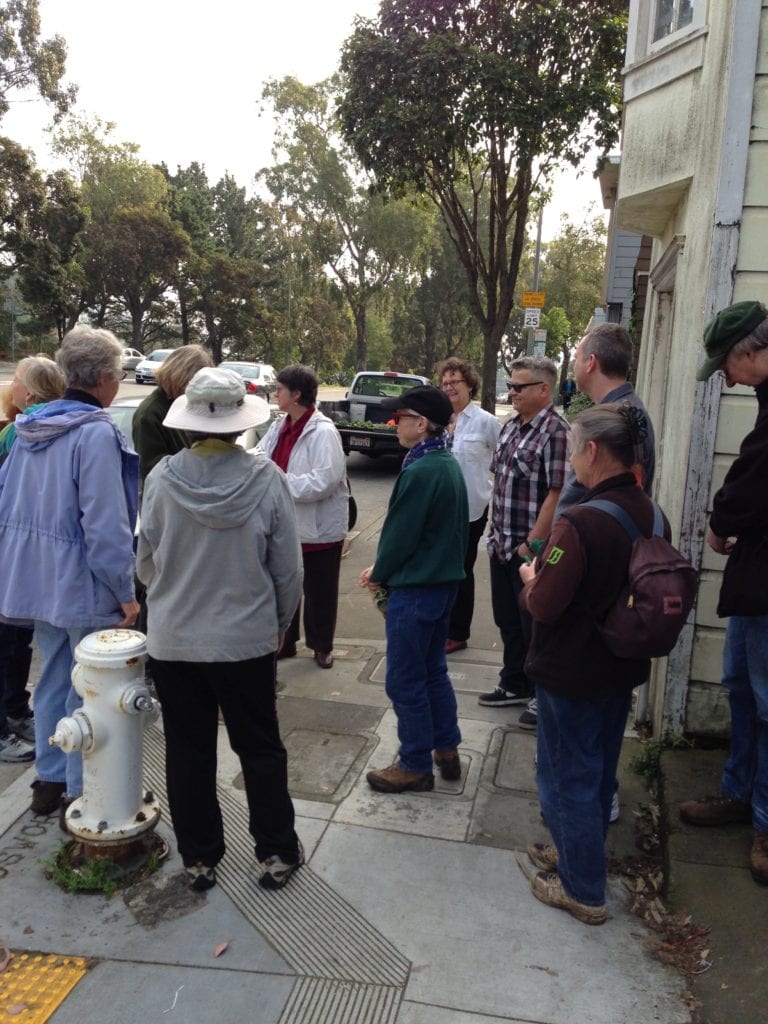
column 27, row 61
column 482, row 97
column 360, row 238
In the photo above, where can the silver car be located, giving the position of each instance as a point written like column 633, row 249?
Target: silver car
column 145, row 370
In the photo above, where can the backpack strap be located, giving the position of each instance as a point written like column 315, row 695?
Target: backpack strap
column 622, row 517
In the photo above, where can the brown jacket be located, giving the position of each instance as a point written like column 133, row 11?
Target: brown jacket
column 580, row 574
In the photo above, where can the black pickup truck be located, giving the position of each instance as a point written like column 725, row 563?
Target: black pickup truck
column 362, row 423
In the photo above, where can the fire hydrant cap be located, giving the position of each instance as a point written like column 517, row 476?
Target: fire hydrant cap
column 111, row 647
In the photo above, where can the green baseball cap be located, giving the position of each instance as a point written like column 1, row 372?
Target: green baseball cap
column 729, row 326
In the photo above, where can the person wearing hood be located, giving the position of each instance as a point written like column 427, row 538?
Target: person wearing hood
column 68, row 499
column 219, row 554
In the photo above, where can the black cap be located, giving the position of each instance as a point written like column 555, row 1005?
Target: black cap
column 426, row 400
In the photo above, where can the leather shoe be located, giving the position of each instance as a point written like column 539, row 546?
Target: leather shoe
column 324, row 659
column 286, row 651
column 449, row 764
column 455, row 645
column 758, row 858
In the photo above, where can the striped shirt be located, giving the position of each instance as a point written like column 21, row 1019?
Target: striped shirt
column 530, row 459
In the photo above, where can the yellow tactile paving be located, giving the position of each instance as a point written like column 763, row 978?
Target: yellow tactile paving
column 34, row 985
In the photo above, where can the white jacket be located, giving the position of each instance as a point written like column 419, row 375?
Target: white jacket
column 317, row 479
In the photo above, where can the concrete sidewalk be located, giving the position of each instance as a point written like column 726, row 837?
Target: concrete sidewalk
column 411, row 908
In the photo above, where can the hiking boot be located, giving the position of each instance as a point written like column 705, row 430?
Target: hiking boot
column 529, row 717
column 715, row 810
column 277, row 872
column 15, row 751
column 64, row 803
column 449, row 764
column 24, row 728
column 547, row 887
column 201, row 876
column 501, row 698
column 396, row 779
column 758, row 858
column 544, row 856
column 46, row 796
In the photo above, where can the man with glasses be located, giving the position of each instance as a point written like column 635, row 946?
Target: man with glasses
column 529, row 466
column 736, row 343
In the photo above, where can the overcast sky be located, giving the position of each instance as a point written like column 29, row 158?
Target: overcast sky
column 183, row 80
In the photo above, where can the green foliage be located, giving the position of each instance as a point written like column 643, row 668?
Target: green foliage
column 579, row 403
column 27, row 61
column 472, row 103
column 572, row 270
column 648, row 762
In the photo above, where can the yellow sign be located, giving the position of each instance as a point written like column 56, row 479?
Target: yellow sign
column 532, row 299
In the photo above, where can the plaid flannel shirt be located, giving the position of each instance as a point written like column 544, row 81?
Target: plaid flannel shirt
column 530, row 459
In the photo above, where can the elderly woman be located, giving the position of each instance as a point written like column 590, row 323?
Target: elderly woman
column 68, row 495
column 37, row 381
column 420, row 559
column 219, row 554
column 584, row 691
column 472, row 438
column 151, row 439
column 306, row 446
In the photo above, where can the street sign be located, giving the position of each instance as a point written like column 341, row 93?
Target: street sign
column 533, row 300
column 532, row 317
column 539, row 335
column 539, row 348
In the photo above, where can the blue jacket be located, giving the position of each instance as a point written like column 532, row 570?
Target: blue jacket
column 68, row 500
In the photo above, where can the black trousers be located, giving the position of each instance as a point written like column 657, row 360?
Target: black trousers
column 15, row 659
column 514, row 624
column 321, row 600
column 464, row 605
column 191, row 694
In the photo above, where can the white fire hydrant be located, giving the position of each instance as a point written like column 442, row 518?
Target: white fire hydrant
column 108, row 729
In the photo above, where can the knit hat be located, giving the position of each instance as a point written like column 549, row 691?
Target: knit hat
column 426, row 400
column 729, row 326
column 215, row 402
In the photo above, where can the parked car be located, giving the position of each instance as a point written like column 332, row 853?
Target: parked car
column 260, row 378
column 122, row 411
column 131, row 358
column 145, row 370
column 364, row 425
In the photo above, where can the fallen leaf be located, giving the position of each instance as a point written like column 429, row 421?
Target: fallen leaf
column 221, row 948
column 5, row 957
column 29, row 930
column 16, row 1009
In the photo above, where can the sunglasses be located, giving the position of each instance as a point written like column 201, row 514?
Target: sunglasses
column 517, row 388
column 406, row 415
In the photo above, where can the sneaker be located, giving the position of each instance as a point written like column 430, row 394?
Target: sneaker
column 277, row 872
column 24, row 727
column 449, row 764
column 14, row 750
column 46, row 796
column 544, row 856
column 715, row 810
column 529, row 717
column 547, row 887
column 758, row 858
column 614, row 815
column 396, row 779
column 501, row 698
column 201, row 876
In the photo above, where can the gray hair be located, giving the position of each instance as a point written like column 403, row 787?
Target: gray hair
column 537, row 365
column 86, row 353
column 753, row 342
column 618, row 427
column 41, row 377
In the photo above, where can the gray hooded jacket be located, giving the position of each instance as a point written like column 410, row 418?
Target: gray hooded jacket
column 219, row 554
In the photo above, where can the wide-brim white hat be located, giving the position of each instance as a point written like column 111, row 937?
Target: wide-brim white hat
column 215, row 402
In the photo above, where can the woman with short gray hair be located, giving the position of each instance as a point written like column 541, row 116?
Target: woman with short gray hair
column 68, row 497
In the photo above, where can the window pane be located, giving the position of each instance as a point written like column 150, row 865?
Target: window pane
column 665, row 10
column 685, row 17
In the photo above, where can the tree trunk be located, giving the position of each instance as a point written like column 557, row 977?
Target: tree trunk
column 362, row 340
column 430, row 346
column 491, row 346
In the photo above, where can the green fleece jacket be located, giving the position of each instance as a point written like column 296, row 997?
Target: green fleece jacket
column 150, row 438
column 424, row 537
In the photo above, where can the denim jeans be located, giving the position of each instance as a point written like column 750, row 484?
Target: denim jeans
column 514, row 624
column 417, row 677
column 15, row 659
column 54, row 698
column 578, row 743
column 745, row 674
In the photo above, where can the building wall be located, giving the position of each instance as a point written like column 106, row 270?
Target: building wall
column 688, row 108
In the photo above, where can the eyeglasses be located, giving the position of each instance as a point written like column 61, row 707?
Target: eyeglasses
column 406, row 415
column 122, row 375
column 452, row 383
column 517, row 388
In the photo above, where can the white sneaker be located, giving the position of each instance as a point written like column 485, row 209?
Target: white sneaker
column 24, row 728
column 614, row 816
column 15, row 751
